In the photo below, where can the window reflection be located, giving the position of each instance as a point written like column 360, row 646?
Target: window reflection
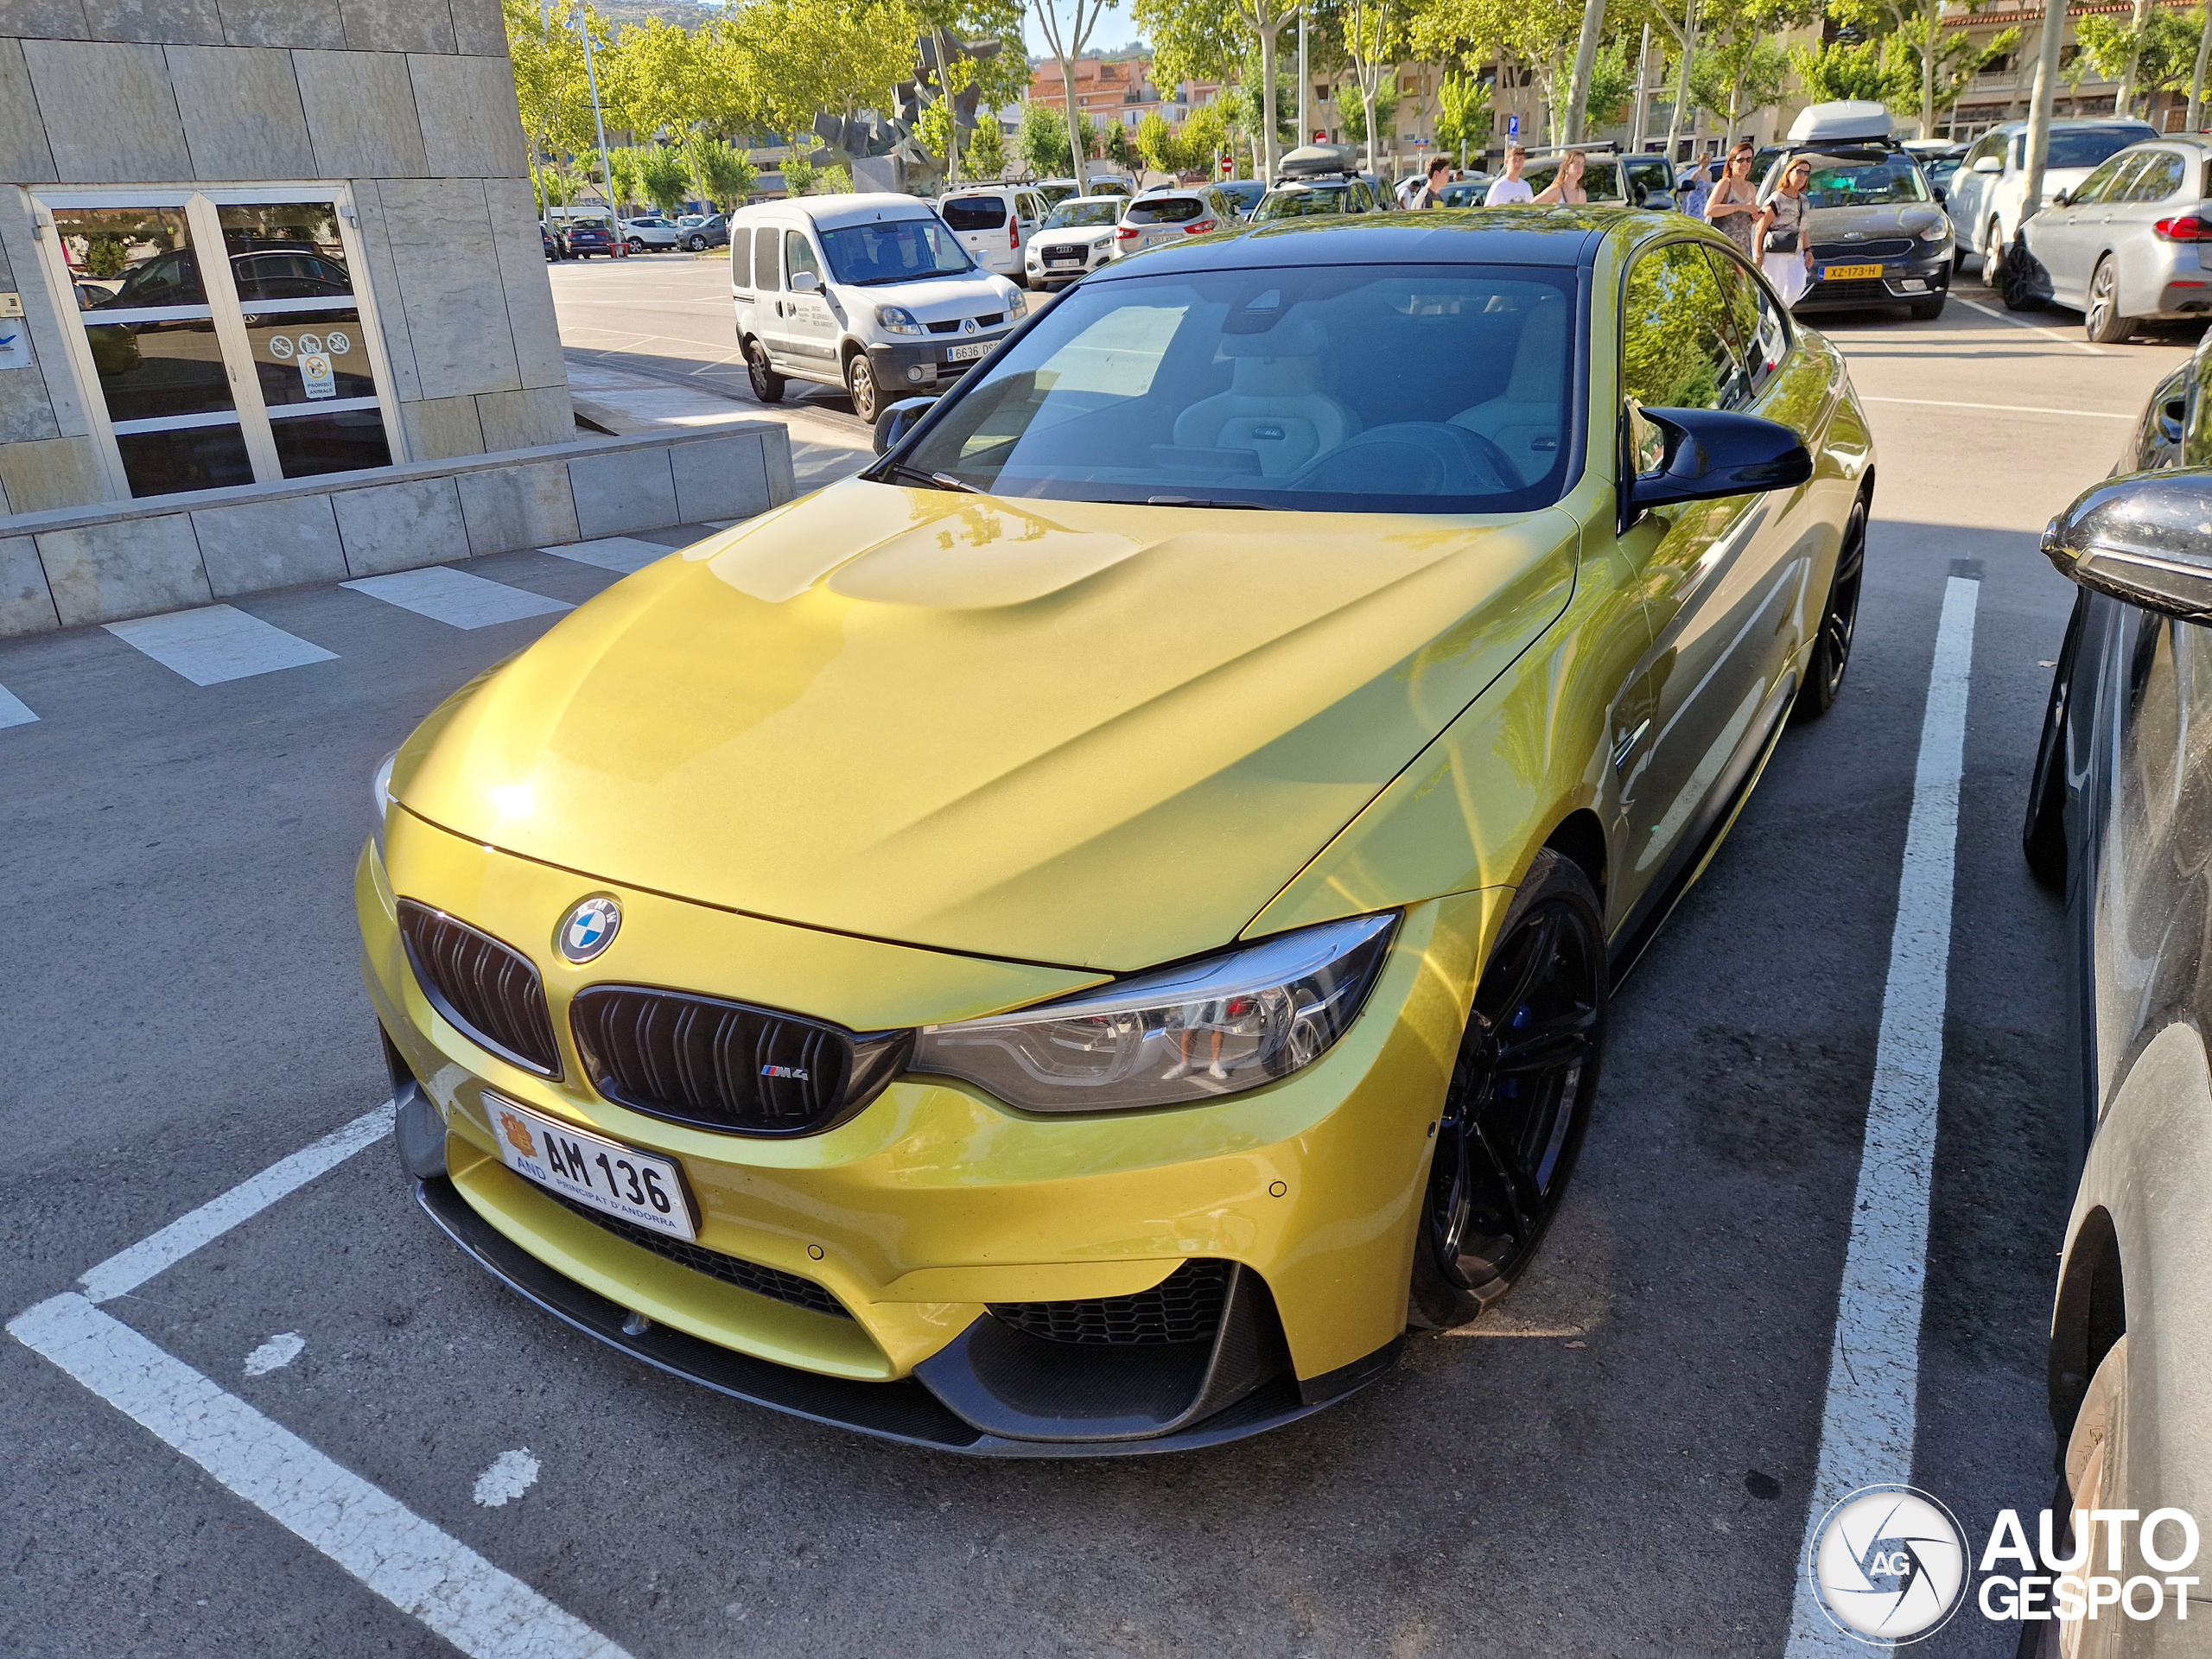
column 341, row 442
column 190, row 458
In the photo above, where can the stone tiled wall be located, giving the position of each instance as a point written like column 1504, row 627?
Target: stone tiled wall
column 410, row 101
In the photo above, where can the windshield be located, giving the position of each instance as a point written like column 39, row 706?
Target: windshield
column 1303, row 203
column 1443, row 388
column 893, row 250
column 1077, row 215
column 1601, row 179
column 1886, row 180
column 2087, row 146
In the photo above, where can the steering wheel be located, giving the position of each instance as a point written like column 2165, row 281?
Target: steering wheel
column 1508, row 475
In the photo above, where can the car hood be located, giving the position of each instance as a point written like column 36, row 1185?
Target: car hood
column 1890, row 220
column 1077, row 235
column 935, row 299
column 1095, row 736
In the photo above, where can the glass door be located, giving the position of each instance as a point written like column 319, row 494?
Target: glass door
column 256, row 365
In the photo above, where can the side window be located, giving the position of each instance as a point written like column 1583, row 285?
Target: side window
column 2019, row 152
column 2099, row 183
column 1675, row 349
column 2160, row 177
column 1762, row 339
column 798, row 255
column 2125, row 180
column 766, row 267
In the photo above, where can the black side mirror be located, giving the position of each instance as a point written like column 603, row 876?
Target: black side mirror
column 896, row 422
column 1705, row 453
column 2145, row 538
column 1937, row 190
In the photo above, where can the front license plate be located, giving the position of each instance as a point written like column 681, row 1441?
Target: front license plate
column 968, row 353
column 613, row 1179
column 1847, row 273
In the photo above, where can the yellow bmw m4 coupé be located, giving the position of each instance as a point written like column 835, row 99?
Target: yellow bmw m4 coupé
column 1072, row 941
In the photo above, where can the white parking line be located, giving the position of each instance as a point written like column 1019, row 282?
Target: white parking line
column 217, row 643
column 1867, row 1427
column 128, row 1270
column 2032, row 328
column 417, row 1568
column 623, row 553
column 13, row 711
column 454, row 597
column 2006, row 409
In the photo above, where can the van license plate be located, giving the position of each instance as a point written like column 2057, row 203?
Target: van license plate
column 1848, row 273
column 968, row 353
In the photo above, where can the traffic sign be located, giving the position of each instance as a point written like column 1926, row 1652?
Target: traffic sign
column 1513, row 126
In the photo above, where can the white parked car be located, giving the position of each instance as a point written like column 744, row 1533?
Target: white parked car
column 2127, row 244
column 872, row 293
column 1161, row 216
column 993, row 222
column 650, row 230
column 1985, row 195
column 1079, row 237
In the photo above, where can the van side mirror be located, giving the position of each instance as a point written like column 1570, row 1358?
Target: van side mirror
column 804, row 282
column 2145, row 538
column 897, row 421
column 1990, row 164
column 1705, row 453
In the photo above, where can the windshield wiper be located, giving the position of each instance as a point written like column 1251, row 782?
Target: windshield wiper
column 935, row 480
column 1201, row 501
column 907, row 277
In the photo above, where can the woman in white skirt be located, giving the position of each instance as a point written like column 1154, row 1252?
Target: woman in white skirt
column 1785, row 232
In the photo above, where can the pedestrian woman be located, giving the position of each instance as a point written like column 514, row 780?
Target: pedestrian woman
column 1567, row 186
column 1784, row 224
column 1733, row 207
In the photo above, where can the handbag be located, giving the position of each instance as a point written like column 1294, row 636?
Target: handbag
column 1781, row 241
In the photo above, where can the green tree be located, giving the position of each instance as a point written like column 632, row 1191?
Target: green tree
column 1463, row 116
column 666, row 176
column 1067, row 37
column 1161, row 146
column 1739, row 74
column 985, row 156
column 1043, row 140
column 628, row 183
column 1872, row 70
column 1386, row 116
column 2158, row 54
column 727, row 172
column 799, row 175
column 1119, row 151
column 835, row 182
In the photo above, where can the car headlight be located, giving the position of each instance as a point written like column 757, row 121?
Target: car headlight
column 1939, row 231
column 1016, row 304
column 898, row 320
column 1198, row 1031
column 380, row 793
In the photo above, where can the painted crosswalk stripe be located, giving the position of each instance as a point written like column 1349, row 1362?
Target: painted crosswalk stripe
column 217, row 643
column 417, row 1567
column 1868, row 1425
column 13, row 711
column 456, row 597
column 622, row 553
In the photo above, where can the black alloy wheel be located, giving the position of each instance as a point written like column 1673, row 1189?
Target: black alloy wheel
column 2102, row 321
column 767, row 385
column 1519, row 1099
column 860, row 385
column 1831, row 657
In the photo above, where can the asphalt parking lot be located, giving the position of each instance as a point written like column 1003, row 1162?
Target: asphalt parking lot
column 1618, row 1461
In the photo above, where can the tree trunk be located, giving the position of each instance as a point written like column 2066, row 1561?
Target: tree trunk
column 2196, row 81
column 1640, row 127
column 1682, row 76
column 1586, row 62
column 1269, row 28
column 2054, row 37
column 952, row 127
column 1367, row 103
column 1076, row 156
column 2124, row 100
column 1931, row 15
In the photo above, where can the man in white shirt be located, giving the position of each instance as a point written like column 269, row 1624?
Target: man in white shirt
column 1510, row 189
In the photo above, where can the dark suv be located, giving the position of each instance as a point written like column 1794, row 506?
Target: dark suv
column 590, row 236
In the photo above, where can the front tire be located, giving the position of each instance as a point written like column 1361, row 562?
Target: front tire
column 1929, row 309
column 637, row 245
column 1519, row 1099
column 1831, row 657
column 859, row 385
column 767, row 385
column 697, row 244
column 2102, row 321
column 1993, row 256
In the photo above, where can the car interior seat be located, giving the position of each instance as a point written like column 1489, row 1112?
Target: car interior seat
column 1523, row 420
column 1274, row 407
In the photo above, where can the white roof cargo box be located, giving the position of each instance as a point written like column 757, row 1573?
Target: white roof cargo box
column 1850, row 117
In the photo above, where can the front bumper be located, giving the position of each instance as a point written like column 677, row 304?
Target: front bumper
column 937, row 1202
column 1902, row 282
column 922, row 365
column 1045, row 274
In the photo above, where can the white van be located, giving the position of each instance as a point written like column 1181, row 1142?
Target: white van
column 994, row 223
column 872, row 293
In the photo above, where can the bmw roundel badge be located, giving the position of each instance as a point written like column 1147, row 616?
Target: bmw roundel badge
column 590, row 928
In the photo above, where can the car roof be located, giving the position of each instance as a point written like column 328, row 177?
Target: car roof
column 833, row 212
column 1520, row 235
column 2080, row 121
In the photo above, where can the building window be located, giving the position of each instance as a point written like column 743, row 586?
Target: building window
column 259, row 365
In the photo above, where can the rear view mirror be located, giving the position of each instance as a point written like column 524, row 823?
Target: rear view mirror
column 896, row 422
column 1705, row 453
column 2145, row 538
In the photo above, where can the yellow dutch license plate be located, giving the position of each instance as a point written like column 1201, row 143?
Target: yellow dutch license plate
column 1847, row 273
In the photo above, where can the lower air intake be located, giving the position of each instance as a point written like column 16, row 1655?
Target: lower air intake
column 746, row 1276
column 1184, row 1307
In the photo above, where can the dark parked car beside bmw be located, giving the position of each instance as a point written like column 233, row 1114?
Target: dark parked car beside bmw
column 2120, row 820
